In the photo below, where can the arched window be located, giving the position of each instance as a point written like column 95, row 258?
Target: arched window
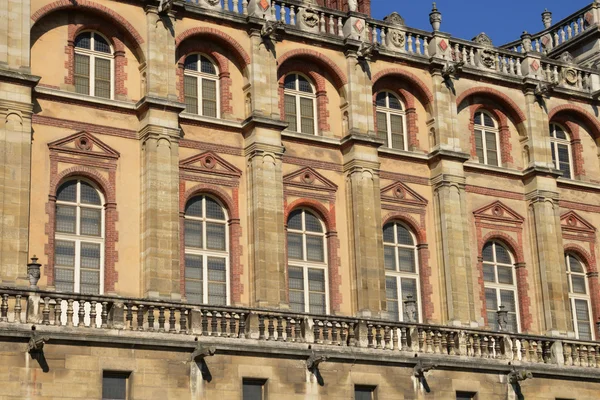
column 201, row 86
column 206, row 252
column 307, row 263
column 500, row 285
column 94, row 69
column 79, row 238
column 401, row 270
column 579, row 297
column 487, row 139
column 560, row 146
column 300, row 104
column 391, row 121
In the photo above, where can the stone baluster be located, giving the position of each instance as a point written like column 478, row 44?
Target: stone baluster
column 378, row 336
column 58, row 312
column 334, row 333
column 591, row 356
column 387, row 338
column 597, row 349
column 245, row 7
column 331, row 25
column 289, row 328
column 232, row 325
column 539, row 352
column 226, row 5
column 563, row 35
column 403, row 339
column 261, row 327
column 546, row 354
column 242, row 331
column 583, row 358
column 395, row 338
column 457, row 52
column 104, row 315
column 344, row 330
column 17, row 309
column 537, row 45
column 373, row 29
column 567, row 354
column 575, row 354
column 476, row 346
column 129, row 316
column 499, row 347
column 280, row 328
column 429, row 341
column 326, row 332
column 46, row 311
column 383, row 37
column 370, row 336
column 292, row 15
column 451, row 343
column 511, row 66
column 282, row 13
column 236, row 6
column 409, row 43
column 140, row 318
column 298, row 331
column 471, row 56
column 437, row 345
column 4, row 309
column 161, row 320
column 421, row 334
column 556, row 39
column 340, row 27
column 418, row 45
column 352, row 335
column 70, row 312
column 485, row 346
column 182, row 320
column 93, row 315
column 270, row 327
column 519, row 68
column 426, row 46
column 464, row 54
column 273, row 11
column 316, row 331
column 80, row 313
column 322, row 23
column 223, row 324
column 214, row 324
column 555, row 74
column 490, row 350
column 151, row 318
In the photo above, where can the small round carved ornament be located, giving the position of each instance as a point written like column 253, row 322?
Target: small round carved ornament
column 397, row 38
column 84, row 143
column 571, row 221
column 307, row 177
column 498, row 212
column 213, row 2
column 570, row 76
column 399, row 193
column 209, row 162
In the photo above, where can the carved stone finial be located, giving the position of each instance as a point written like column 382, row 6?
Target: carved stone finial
column 394, row 19
column 435, row 18
column 547, row 18
column 353, row 5
column 483, row 39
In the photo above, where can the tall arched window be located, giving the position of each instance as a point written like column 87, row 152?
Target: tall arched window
column 487, row 138
column 206, row 252
column 500, row 282
column 391, row 121
column 401, row 269
column 560, row 146
column 579, row 297
column 94, row 69
column 201, row 86
column 79, row 238
column 300, row 104
column 307, row 263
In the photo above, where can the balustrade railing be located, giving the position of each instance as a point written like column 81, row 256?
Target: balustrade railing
column 67, row 312
column 487, row 58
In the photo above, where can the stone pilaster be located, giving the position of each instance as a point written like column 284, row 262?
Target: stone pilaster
column 160, row 71
column 359, row 94
column 361, row 168
column 263, row 78
column 15, row 139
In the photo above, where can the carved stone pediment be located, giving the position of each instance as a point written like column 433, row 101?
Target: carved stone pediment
column 209, row 163
column 394, row 19
column 573, row 222
column 308, row 178
column 498, row 212
column 398, row 192
column 483, row 39
column 85, row 144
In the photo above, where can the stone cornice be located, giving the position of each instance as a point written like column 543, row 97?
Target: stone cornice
column 17, row 77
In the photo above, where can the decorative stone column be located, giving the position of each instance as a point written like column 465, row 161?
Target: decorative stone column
column 15, row 140
column 159, row 135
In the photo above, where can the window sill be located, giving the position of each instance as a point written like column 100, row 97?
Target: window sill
column 490, row 168
column 311, row 138
column 404, row 153
column 85, row 98
column 581, row 184
column 210, row 120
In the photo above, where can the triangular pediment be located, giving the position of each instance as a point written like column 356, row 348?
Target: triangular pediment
column 398, row 192
column 84, row 143
column 498, row 211
column 210, row 163
column 573, row 221
column 308, row 178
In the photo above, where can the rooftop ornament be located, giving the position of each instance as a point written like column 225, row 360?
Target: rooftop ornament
column 33, row 272
column 435, row 18
column 547, row 18
column 353, row 5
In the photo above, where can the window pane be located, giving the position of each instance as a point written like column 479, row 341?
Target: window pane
column 574, row 264
column 488, row 252
column 90, row 282
column 89, row 195
column 489, row 273
column 191, row 62
column 190, row 90
column 382, row 127
column 290, row 112
column 67, row 192
column 82, row 74
column 193, row 234
column 381, row 99
column 252, row 390
column 389, row 256
column 296, row 287
column 314, row 248
column 505, row 275
column 290, row 82
column 304, row 85
column 83, row 40
column 193, row 278
column 407, row 260
column 394, row 102
column 502, row 255
column 100, row 44
column 317, row 303
column 65, row 218
column 578, row 283
column 491, row 299
column 307, row 114
column 478, row 120
column 363, row 393
column 217, row 277
column 217, row 294
column 490, row 142
column 581, row 310
column 479, row 145
column 90, row 255
column 507, row 299
column 465, row 396
column 64, row 280
column 209, row 98
column 295, row 220
column 207, row 66
column 559, row 133
column 312, row 223
column 409, row 288
column 64, row 253
column 397, row 124
column 493, row 320
column 214, row 210
column 295, row 251
column 488, row 121
column 404, row 236
column 102, row 78
column 194, row 207
column 215, row 236
column 391, row 288
column 91, row 220
column 114, row 386
column 388, row 233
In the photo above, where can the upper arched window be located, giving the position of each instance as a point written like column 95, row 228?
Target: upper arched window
column 206, row 252
column 300, row 106
column 500, row 285
column 391, row 121
column 560, row 146
column 79, row 238
column 487, row 138
column 401, row 270
column 307, row 263
column 94, row 65
column 201, row 86
column 579, row 297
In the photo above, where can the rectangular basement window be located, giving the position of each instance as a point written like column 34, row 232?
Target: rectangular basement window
column 254, row 389
column 466, row 396
column 362, row 392
column 115, row 385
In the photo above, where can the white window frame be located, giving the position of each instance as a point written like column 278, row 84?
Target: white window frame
column 200, row 76
column 398, row 275
column 78, row 238
column 578, row 296
column 93, row 55
column 564, row 142
column 298, row 95
column 503, row 286
column 388, row 113
column 305, row 264
column 205, row 253
column 495, row 130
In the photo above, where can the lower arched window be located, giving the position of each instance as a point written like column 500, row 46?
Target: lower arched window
column 307, row 263
column 579, row 298
column 79, row 238
column 401, row 270
column 206, row 252
column 500, row 285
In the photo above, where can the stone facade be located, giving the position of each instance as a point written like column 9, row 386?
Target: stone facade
column 149, row 154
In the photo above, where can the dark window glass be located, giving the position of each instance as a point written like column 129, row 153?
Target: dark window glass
column 465, row 395
column 114, row 386
column 253, row 389
column 363, row 392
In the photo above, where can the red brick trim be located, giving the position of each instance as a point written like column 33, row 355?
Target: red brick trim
column 111, row 216
column 422, row 89
column 83, row 126
column 225, row 83
column 318, row 79
column 333, row 246
column 503, row 131
column 513, row 109
column 336, row 73
column 425, row 271
column 87, row 5
column 231, row 204
column 591, row 121
column 238, row 51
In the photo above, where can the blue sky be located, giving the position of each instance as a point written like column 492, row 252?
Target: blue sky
column 502, row 20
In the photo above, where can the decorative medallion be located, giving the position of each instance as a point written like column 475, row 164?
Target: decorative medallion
column 264, row 4
column 443, row 45
column 571, row 221
column 209, row 162
column 483, row 39
column 535, row 65
column 310, row 18
column 84, row 143
column 488, row 59
column 307, row 177
column 497, row 211
column 359, row 26
column 399, row 193
column 396, row 38
column 394, row 19
column 570, row 76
